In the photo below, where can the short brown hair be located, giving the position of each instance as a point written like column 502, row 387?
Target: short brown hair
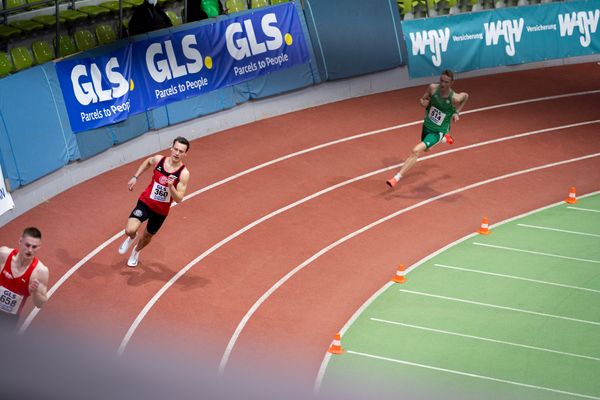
column 183, row 141
column 448, row 73
column 33, row 232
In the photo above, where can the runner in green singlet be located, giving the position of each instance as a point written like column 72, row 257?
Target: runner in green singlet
column 442, row 105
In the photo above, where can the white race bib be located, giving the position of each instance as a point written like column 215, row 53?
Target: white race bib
column 9, row 301
column 436, row 116
column 160, row 193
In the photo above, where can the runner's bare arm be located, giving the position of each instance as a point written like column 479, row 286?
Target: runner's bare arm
column 459, row 100
column 4, row 252
column 38, row 285
column 424, row 100
column 178, row 192
column 147, row 163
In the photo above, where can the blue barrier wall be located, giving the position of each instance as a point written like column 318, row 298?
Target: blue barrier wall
column 355, row 37
column 36, row 137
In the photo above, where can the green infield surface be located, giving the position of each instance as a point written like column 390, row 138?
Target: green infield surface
column 510, row 315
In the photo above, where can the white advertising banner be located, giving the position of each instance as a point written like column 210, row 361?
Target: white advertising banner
column 6, row 201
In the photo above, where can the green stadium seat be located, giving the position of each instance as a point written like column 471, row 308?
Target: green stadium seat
column 105, row 34
column 175, row 20
column 259, row 3
column 210, row 7
column 42, row 51
column 135, row 3
column 6, row 65
column 279, row 1
column 26, row 25
column 15, row 3
column 94, row 11
column 113, row 6
column 66, row 45
column 85, row 40
column 73, row 16
column 34, row 7
column 21, row 57
column 232, row 6
column 8, row 32
column 48, row 20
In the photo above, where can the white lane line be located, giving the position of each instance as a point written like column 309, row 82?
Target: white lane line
column 525, row 346
column 291, row 273
column 583, row 209
column 517, row 278
column 488, row 378
column 325, row 362
column 535, row 252
column 558, row 230
column 520, row 310
column 74, row 268
column 64, row 278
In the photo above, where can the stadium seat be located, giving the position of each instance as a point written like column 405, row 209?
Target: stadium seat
column 85, row 40
column 259, row 3
column 21, row 57
column 8, row 32
column 27, row 26
column 42, row 51
column 15, row 3
column 105, row 34
column 48, row 20
column 94, row 11
column 66, row 46
column 6, row 65
column 73, row 16
column 233, row 6
column 175, row 20
column 113, row 6
column 135, row 3
column 279, row 1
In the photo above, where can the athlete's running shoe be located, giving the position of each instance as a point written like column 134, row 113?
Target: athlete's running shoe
column 125, row 245
column 392, row 182
column 133, row 258
column 448, row 139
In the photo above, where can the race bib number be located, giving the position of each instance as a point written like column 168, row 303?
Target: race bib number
column 9, row 301
column 436, row 116
column 160, row 193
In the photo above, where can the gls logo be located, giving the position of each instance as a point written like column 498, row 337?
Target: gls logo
column 510, row 29
column 437, row 40
column 162, row 63
column 247, row 45
column 586, row 21
column 90, row 90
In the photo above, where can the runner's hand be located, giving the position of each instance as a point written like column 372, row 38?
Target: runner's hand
column 34, row 284
column 131, row 183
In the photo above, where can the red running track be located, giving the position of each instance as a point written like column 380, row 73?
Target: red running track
column 197, row 315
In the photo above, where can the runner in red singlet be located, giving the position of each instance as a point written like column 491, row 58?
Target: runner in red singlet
column 169, row 182
column 22, row 275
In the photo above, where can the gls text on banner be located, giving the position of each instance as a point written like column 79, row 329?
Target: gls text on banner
column 151, row 73
column 505, row 36
column 6, row 201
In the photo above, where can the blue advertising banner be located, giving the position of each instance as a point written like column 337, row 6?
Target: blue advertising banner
column 505, row 36
column 164, row 69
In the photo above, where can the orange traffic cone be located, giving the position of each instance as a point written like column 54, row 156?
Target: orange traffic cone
column 400, row 275
column 572, row 199
column 336, row 345
column 484, row 229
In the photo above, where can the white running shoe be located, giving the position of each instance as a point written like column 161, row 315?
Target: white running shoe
column 133, row 258
column 125, row 245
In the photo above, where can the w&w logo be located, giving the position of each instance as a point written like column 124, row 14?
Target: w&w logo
column 586, row 21
column 437, row 40
column 511, row 30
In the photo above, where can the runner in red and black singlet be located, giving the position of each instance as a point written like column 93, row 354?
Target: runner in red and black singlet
column 22, row 276
column 169, row 183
